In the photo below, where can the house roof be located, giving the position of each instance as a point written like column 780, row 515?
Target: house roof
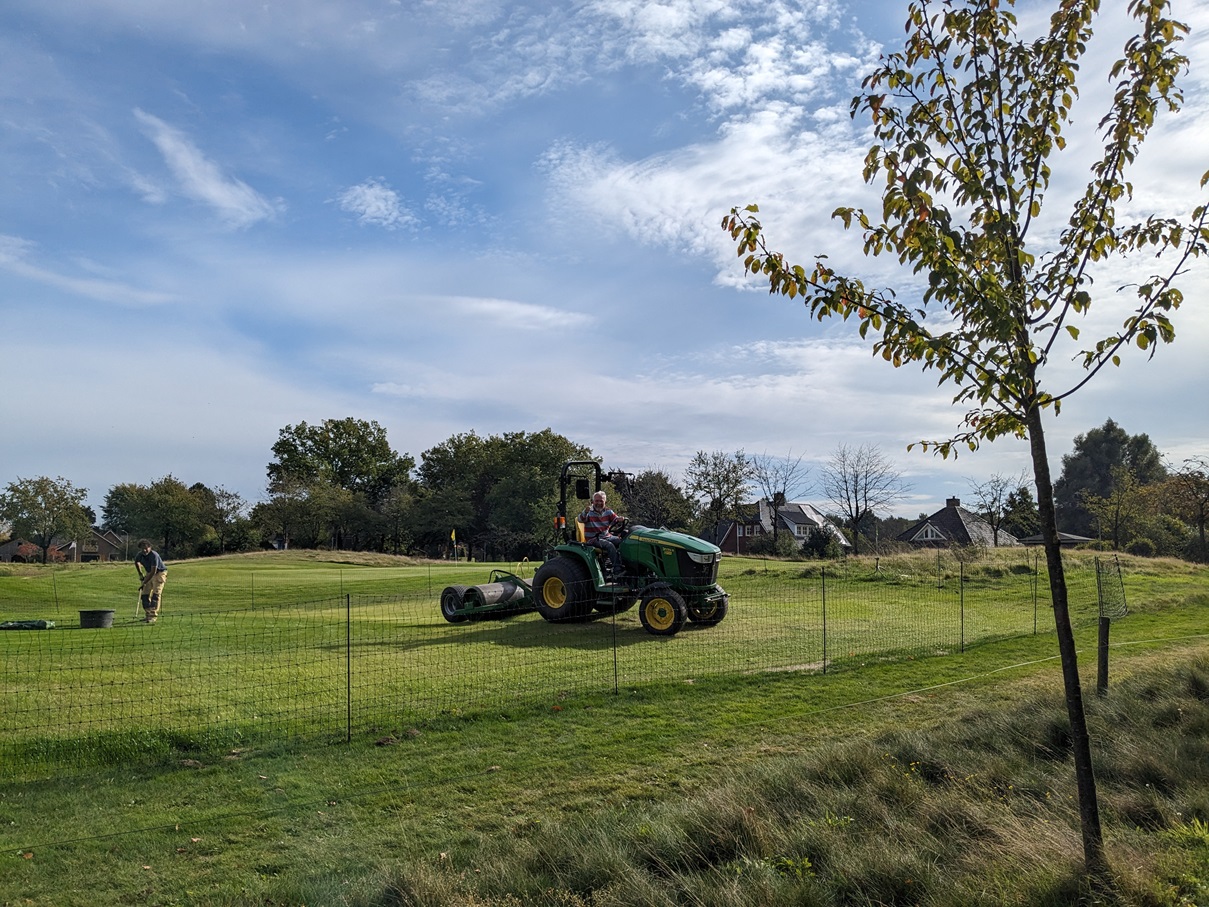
column 955, row 525
column 1064, row 538
column 799, row 513
column 792, row 514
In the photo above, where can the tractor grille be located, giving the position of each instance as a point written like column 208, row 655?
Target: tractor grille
column 694, row 574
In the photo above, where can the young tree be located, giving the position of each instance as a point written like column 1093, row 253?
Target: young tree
column 860, row 481
column 1117, row 514
column 779, row 478
column 992, row 499
column 1020, row 516
column 230, row 508
column 44, row 510
column 966, row 120
column 1186, row 494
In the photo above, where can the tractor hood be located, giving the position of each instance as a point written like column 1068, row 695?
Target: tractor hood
column 698, row 550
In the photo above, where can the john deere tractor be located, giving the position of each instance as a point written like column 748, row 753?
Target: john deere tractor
column 672, row 577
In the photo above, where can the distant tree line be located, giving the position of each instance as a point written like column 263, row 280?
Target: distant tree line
column 340, row 485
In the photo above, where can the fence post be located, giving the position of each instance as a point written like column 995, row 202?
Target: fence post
column 616, row 672
column 1102, row 658
column 1102, row 637
column 1036, row 582
column 824, row 581
column 348, row 660
column 962, row 599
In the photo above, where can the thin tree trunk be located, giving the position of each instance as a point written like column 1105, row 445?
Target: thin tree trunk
column 1089, row 810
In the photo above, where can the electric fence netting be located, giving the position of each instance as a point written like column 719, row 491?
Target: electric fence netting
column 209, row 678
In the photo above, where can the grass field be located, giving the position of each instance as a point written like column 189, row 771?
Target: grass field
column 261, row 648
column 409, row 808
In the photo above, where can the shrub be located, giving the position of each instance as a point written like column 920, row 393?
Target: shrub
column 767, row 545
column 1142, row 547
column 822, row 545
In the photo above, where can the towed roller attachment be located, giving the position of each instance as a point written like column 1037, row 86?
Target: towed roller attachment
column 501, row 593
column 506, row 595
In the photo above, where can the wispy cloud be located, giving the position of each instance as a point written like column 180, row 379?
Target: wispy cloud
column 15, row 258
column 376, row 204
column 523, row 315
column 201, row 179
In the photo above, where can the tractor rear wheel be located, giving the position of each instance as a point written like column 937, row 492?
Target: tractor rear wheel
column 451, row 604
column 662, row 610
column 563, row 590
column 709, row 614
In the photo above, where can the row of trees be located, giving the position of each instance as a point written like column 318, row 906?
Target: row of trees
column 340, row 484
column 1115, row 488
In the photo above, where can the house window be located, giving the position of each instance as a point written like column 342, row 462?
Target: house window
column 930, row 534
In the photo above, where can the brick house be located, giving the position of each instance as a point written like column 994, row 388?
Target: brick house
column 96, row 546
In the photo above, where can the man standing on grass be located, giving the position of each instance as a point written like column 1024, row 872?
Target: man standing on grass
column 152, row 574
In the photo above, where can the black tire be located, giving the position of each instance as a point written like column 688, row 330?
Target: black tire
column 662, row 610
column 451, row 604
column 563, row 590
column 709, row 614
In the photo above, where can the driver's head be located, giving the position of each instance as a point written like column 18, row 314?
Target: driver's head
column 598, row 499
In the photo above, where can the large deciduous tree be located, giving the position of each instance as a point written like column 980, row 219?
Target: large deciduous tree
column 330, row 484
column 779, row 479
column 968, row 120
column 653, row 499
column 719, row 481
column 352, row 454
column 497, row 492
column 166, row 510
column 860, row 481
column 44, row 510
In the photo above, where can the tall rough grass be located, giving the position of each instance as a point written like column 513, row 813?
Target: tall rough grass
column 962, row 814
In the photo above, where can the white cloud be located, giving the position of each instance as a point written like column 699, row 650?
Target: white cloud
column 15, row 255
column 520, row 315
column 201, row 179
column 375, row 203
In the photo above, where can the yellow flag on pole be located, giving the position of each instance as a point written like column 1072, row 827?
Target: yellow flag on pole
column 453, row 536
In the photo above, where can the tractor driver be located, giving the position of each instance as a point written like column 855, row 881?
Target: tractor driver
column 598, row 523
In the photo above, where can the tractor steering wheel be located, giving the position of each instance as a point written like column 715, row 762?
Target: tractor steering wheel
column 621, row 527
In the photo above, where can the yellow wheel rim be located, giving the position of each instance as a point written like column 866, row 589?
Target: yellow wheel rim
column 660, row 614
column 554, row 591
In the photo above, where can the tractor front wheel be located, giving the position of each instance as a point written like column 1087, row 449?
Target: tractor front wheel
column 562, row 590
column 709, row 614
column 662, row 611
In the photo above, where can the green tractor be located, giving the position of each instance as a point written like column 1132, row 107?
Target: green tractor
column 672, row 577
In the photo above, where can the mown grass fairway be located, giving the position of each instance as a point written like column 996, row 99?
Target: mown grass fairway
column 666, row 792
column 262, row 648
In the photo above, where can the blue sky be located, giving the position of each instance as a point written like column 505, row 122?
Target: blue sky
column 222, row 218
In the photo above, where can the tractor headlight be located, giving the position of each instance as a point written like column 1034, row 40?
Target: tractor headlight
column 698, row 558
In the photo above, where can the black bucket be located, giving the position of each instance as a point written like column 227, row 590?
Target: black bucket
column 96, row 620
